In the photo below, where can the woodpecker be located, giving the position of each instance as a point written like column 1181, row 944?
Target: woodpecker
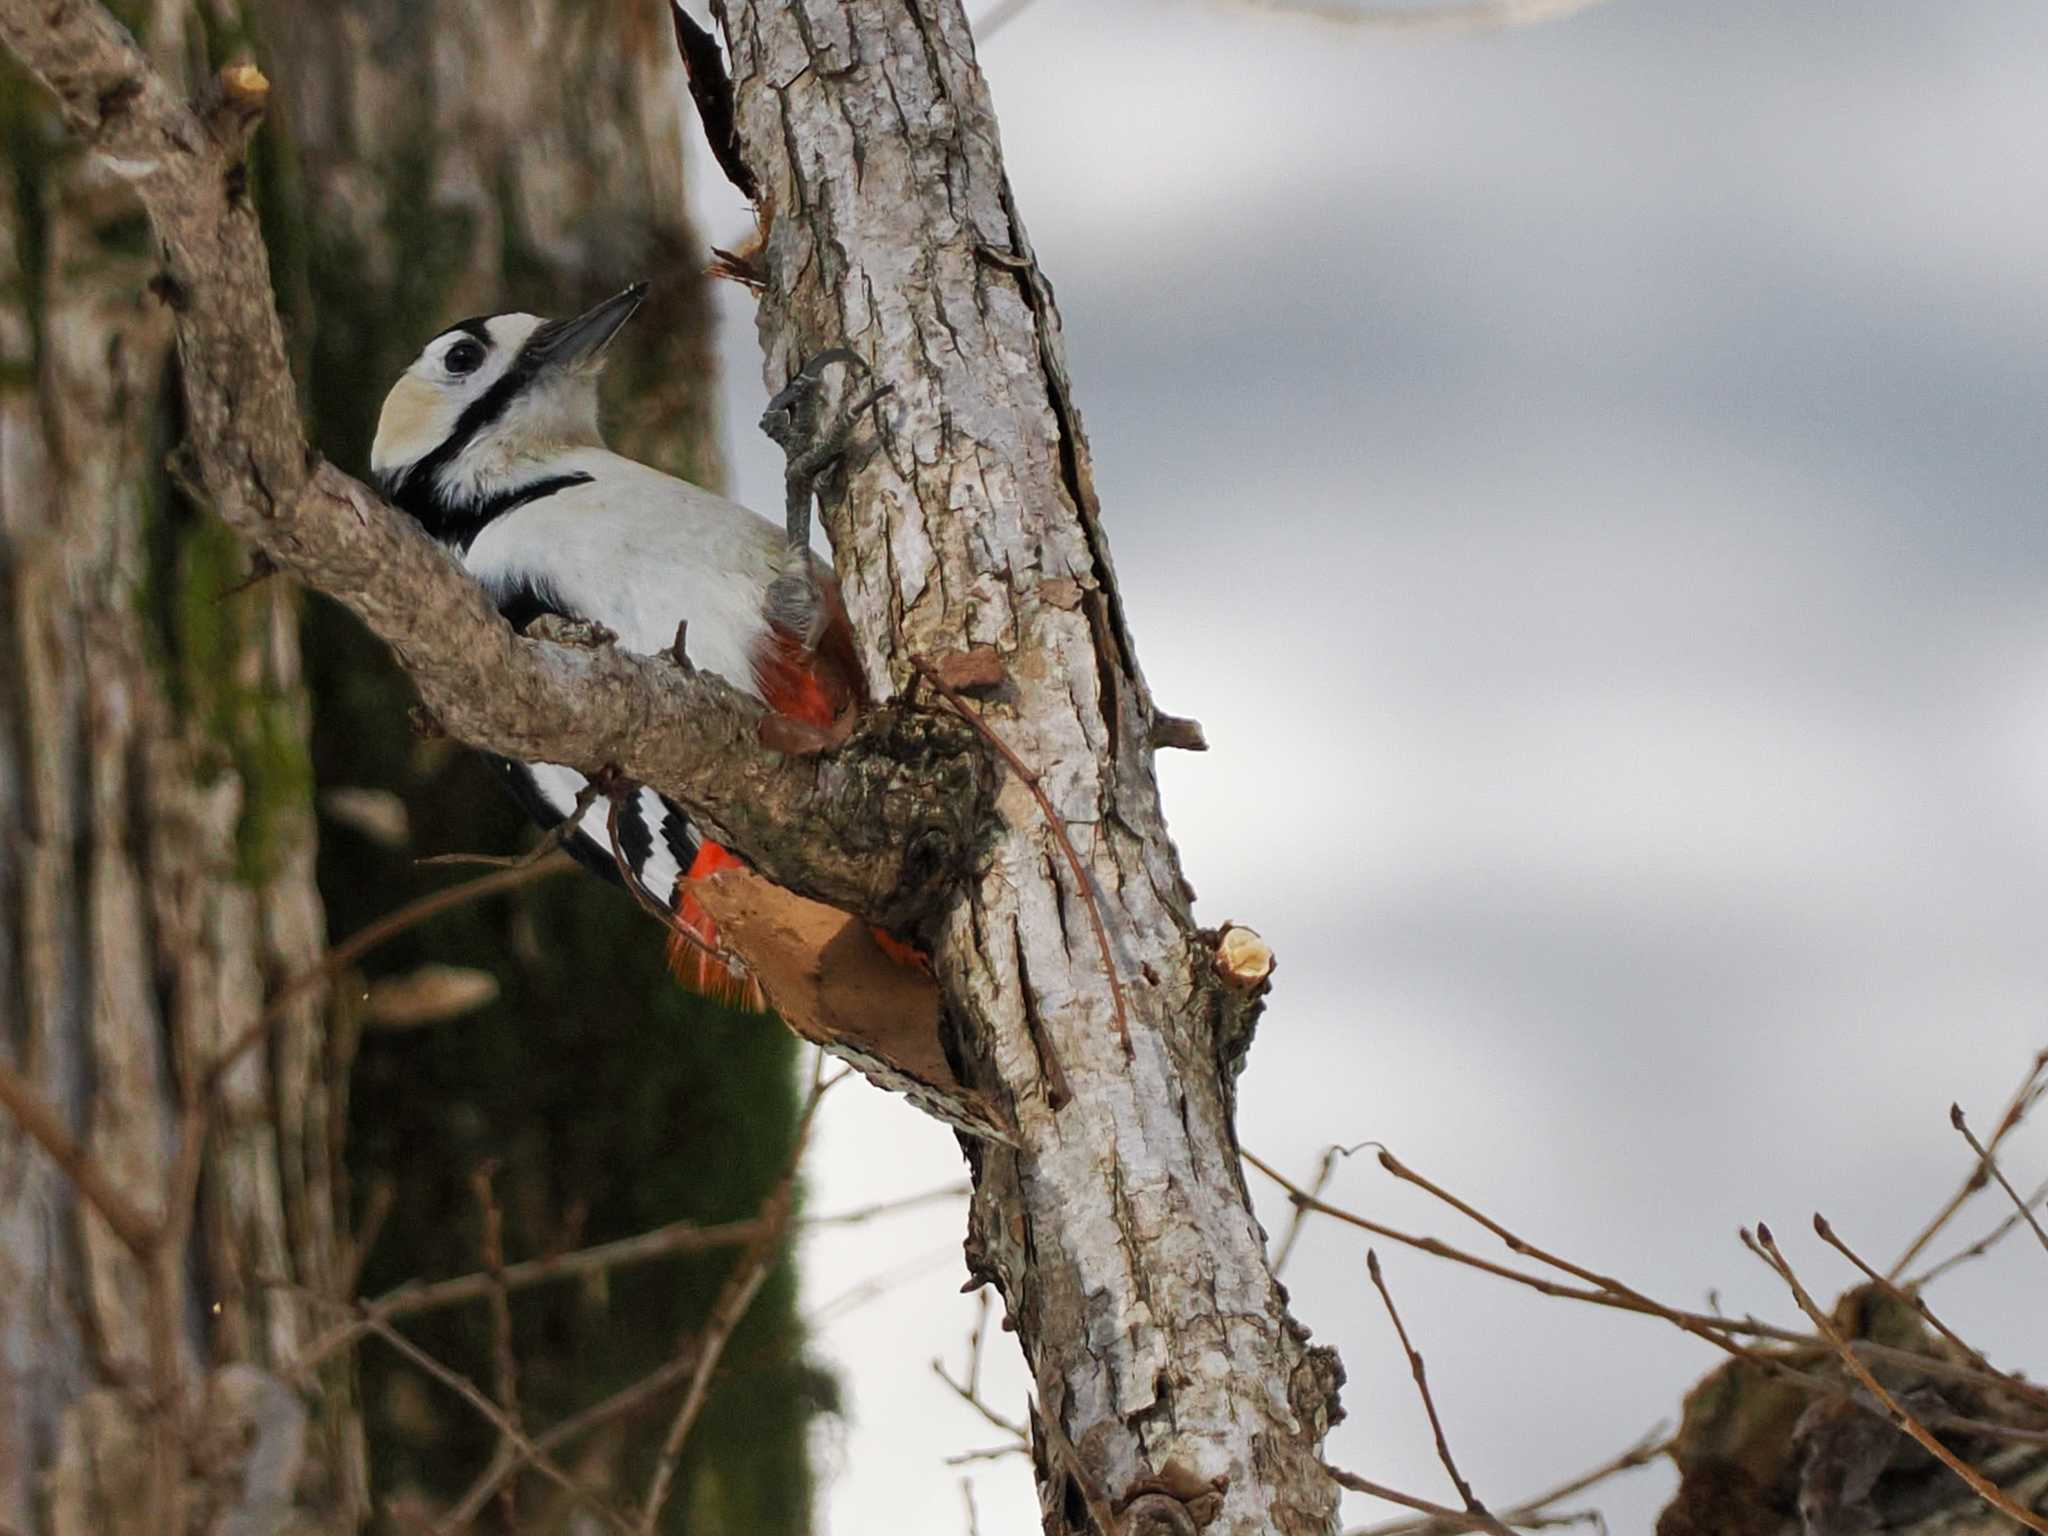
column 490, row 440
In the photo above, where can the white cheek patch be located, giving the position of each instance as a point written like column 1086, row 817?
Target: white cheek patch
column 416, row 419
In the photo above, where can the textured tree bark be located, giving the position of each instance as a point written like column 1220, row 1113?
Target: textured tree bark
column 156, row 875
column 1175, row 1391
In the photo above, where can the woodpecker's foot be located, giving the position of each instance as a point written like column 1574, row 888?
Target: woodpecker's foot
column 792, row 422
column 795, row 602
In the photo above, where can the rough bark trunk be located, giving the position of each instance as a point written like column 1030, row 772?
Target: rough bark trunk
column 1172, row 1383
column 155, row 808
column 156, row 876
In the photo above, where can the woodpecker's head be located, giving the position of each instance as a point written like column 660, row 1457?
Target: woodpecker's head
column 488, row 404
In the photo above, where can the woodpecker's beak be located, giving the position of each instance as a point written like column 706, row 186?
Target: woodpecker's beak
column 566, row 343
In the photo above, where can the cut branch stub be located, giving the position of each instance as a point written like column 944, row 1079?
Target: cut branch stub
column 1243, row 959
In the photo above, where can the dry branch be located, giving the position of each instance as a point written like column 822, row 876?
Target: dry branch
column 1529, row 1511
column 2024, row 1098
column 474, row 1395
column 1914, row 1300
column 1762, row 1245
column 1989, row 1163
column 1482, row 1519
column 749, row 1272
column 1983, row 1245
column 661, row 1242
column 1719, row 1331
column 33, row 1114
column 880, row 828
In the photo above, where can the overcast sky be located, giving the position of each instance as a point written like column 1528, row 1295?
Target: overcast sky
column 1588, row 481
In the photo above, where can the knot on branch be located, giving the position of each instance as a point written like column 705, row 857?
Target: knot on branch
column 232, row 104
column 920, row 785
column 1175, row 1501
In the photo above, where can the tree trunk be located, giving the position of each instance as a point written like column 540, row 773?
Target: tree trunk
column 1172, row 1383
column 156, row 868
column 156, row 877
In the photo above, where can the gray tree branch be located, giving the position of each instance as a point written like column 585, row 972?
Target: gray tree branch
column 881, row 827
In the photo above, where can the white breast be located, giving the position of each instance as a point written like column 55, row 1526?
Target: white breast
column 639, row 552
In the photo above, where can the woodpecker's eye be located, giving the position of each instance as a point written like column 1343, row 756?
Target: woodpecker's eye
column 464, row 357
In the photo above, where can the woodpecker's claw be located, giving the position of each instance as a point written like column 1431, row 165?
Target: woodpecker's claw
column 791, row 422
column 794, row 602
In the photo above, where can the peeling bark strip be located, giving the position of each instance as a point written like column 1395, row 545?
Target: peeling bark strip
column 711, row 90
column 1121, row 1237
column 882, row 827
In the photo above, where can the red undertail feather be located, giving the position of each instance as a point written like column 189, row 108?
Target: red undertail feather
column 697, row 966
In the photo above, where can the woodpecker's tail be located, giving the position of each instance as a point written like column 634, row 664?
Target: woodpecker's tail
column 698, row 965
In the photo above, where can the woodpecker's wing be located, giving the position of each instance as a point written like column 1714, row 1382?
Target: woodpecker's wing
column 637, row 551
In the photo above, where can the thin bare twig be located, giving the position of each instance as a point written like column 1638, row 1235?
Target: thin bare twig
column 969, row 1390
column 376, row 1211
column 989, row 1453
column 626, row 1400
column 1762, row 1245
column 1477, row 1510
column 866, row 1213
column 34, row 1115
column 661, row 1242
column 1913, row 1299
column 1721, row 1332
column 997, row 17
column 1324, row 1170
column 1526, row 1513
column 1451, row 1519
column 1029, row 780
column 1987, row 1161
column 504, row 1363
column 2023, row 1099
column 365, row 939
column 875, row 1286
column 1981, row 1246
column 1713, row 1334
column 555, row 837
column 749, row 1273
column 513, row 1435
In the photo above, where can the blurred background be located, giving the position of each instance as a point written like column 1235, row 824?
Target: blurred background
column 1587, row 479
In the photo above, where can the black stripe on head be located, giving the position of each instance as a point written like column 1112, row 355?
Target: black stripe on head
column 476, row 325
column 415, row 487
